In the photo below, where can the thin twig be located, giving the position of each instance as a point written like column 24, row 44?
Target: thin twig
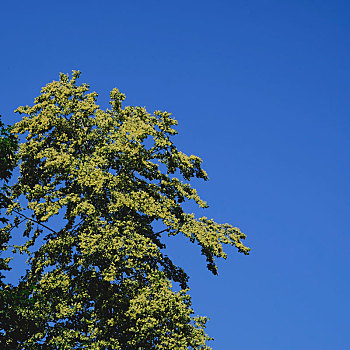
column 16, row 225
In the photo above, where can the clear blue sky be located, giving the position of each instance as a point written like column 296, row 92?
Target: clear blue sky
column 261, row 92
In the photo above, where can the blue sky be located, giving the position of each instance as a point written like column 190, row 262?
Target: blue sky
column 261, row 93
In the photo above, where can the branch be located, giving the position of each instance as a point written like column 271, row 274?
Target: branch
column 167, row 229
column 75, row 226
column 37, row 222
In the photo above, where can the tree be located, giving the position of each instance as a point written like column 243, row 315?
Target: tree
column 102, row 280
column 10, row 298
column 8, row 146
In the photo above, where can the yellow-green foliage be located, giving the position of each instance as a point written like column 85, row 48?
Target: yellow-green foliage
column 102, row 280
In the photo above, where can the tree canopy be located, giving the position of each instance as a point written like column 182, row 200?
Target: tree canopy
column 98, row 276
